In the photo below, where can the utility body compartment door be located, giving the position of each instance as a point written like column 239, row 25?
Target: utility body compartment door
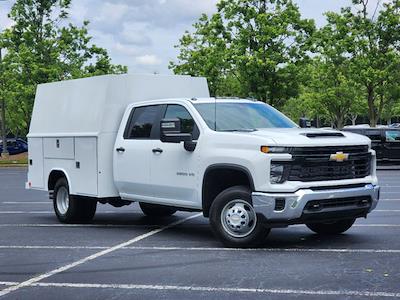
column 59, row 147
column 35, row 160
column 85, row 171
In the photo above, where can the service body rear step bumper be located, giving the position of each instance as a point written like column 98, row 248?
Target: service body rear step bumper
column 357, row 202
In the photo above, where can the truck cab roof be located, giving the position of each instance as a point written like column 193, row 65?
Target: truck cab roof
column 221, row 100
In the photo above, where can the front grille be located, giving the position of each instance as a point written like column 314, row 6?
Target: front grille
column 317, row 151
column 314, row 164
column 337, row 204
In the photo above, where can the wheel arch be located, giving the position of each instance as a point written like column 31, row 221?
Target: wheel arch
column 53, row 177
column 237, row 175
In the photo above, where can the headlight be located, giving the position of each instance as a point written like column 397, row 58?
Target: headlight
column 267, row 149
column 277, row 173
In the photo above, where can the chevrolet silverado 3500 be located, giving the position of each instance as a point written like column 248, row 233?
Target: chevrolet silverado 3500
column 163, row 142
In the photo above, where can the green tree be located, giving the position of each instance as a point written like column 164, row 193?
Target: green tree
column 356, row 67
column 257, row 45
column 330, row 75
column 374, row 51
column 40, row 49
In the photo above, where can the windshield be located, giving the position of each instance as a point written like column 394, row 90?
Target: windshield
column 242, row 116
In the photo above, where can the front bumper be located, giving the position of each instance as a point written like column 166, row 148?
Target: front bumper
column 294, row 205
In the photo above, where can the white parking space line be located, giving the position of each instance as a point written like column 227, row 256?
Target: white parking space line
column 9, row 212
column 219, row 289
column 52, row 212
column 55, row 247
column 153, row 225
column 38, row 278
column 8, row 283
column 358, row 225
column 323, row 250
column 327, row 250
column 376, row 225
column 27, row 202
column 384, row 200
column 79, row 225
column 49, row 202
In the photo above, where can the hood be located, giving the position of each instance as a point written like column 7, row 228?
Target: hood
column 305, row 137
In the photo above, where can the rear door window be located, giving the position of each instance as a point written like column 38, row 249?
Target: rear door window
column 142, row 123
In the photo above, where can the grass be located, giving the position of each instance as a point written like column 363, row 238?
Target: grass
column 15, row 160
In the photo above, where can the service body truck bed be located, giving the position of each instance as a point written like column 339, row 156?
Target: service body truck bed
column 74, row 126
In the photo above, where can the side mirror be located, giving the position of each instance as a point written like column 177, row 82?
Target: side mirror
column 305, row 123
column 170, row 132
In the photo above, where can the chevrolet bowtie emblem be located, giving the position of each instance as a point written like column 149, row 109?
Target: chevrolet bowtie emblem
column 339, row 156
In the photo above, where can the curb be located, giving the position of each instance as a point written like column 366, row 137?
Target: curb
column 13, row 166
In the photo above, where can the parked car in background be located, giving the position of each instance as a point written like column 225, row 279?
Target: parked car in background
column 394, row 125
column 15, row 146
column 385, row 141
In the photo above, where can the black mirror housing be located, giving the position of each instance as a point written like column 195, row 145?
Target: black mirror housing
column 170, row 132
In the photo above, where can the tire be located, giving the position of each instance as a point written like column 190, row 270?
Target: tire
column 155, row 210
column 331, row 228
column 234, row 221
column 70, row 208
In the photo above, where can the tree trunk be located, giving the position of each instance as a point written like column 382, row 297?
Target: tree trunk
column 339, row 122
column 317, row 123
column 353, row 119
column 372, row 112
column 381, row 104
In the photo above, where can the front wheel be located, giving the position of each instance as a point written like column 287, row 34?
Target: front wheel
column 234, row 220
column 336, row 227
column 71, row 208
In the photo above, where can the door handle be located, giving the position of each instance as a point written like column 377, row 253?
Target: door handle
column 120, row 149
column 157, row 150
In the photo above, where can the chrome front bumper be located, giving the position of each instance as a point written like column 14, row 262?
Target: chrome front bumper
column 264, row 203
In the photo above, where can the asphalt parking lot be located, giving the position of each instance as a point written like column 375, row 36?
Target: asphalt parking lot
column 124, row 254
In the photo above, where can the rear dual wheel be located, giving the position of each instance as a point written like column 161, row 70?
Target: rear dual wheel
column 71, row 208
column 234, row 220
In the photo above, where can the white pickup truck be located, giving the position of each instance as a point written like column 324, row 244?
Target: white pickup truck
column 163, row 142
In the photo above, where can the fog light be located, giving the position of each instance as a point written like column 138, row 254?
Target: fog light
column 280, row 204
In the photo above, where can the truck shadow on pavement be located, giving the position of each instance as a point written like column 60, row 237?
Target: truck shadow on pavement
column 197, row 233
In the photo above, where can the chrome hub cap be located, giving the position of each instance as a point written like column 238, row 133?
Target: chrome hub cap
column 238, row 218
column 62, row 200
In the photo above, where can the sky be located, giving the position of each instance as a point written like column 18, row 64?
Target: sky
column 141, row 34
